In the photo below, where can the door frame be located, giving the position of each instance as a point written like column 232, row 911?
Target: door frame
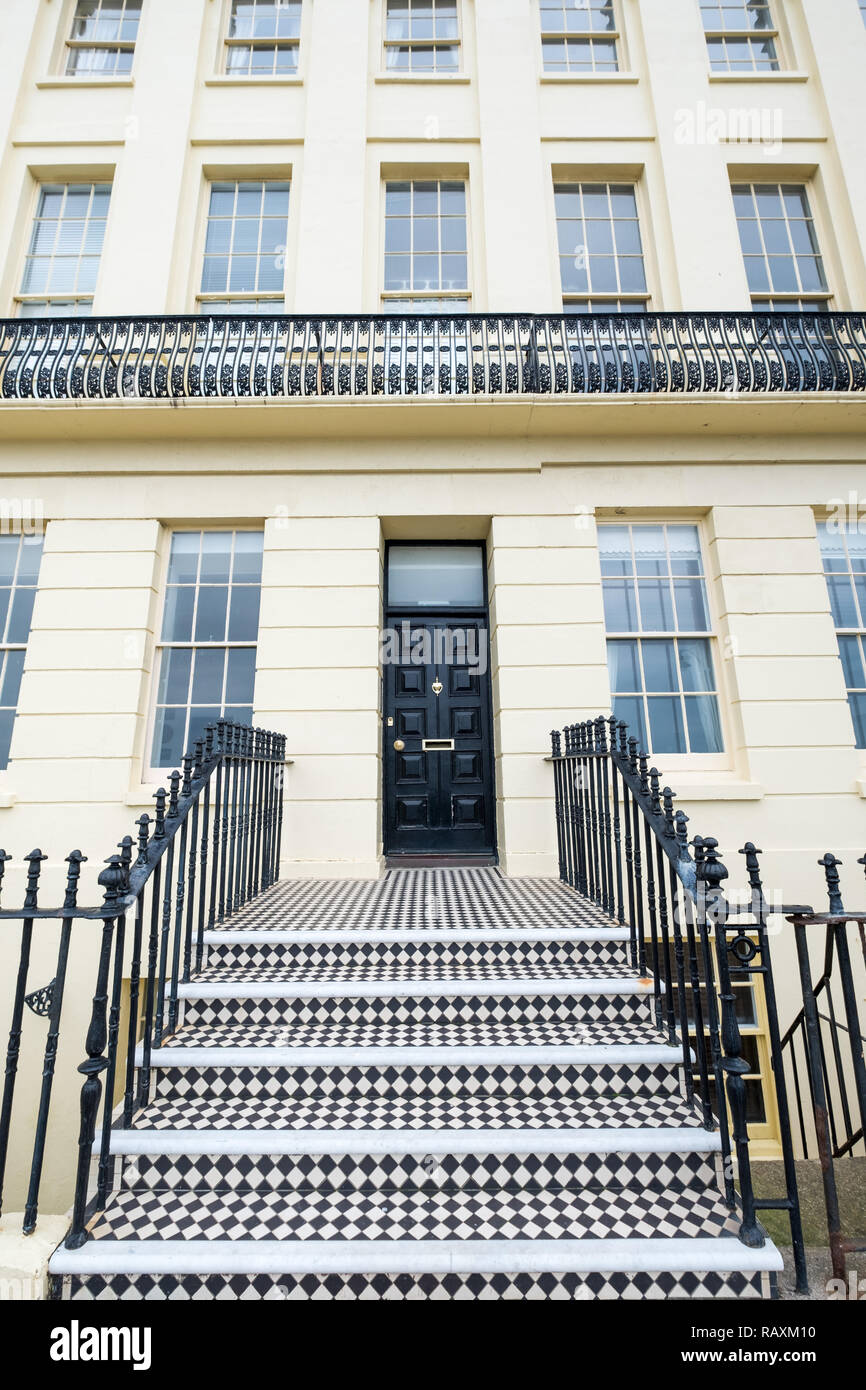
column 441, row 615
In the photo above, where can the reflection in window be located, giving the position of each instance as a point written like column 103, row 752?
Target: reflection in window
column 426, row 258
column 436, row 576
column 20, row 558
column 579, row 36
column 64, row 251
column 741, row 36
column 780, row 246
column 102, row 41
column 263, row 38
column 422, row 36
column 245, row 247
column 207, row 647
column 601, row 263
column 664, row 687
column 843, row 549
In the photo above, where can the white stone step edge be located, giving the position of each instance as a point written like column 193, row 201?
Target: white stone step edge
column 385, row 935
column 410, row 989
column 577, row 1054
column 587, row 1255
column 608, row 1140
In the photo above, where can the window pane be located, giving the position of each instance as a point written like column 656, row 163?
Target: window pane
column 705, row 730
column 691, row 605
column 177, row 616
column 620, row 607
column 696, row 665
column 666, row 724
column 20, row 615
column 241, row 675
column 207, row 678
column 436, row 575
column 659, row 664
column 629, row 708
column 13, row 667
column 624, row 667
column 210, row 618
column 7, row 721
column 244, row 616
column 174, row 676
column 656, row 607
column 183, row 560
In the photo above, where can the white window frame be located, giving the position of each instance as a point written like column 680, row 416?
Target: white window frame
column 611, row 301
column 751, row 36
column 396, row 299
column 71, row 45
column 60, row 303
column 241, row 301
column 228, row 43
column 716, row 761
column 793, row 300
column 432, row 73
column 154, row 772
column 587, row 37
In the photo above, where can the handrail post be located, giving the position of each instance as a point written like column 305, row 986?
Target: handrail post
column 733, row 1063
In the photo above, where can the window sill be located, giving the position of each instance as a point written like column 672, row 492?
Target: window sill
column 425, row 78
column 590, row 77
column 861, row 786
column 7, row 798
column 64, row 82
column 759, row 77
column 227, row 81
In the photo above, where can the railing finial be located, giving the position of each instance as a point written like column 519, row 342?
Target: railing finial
column 143, row 822
column 74, row 859
column 112, row 879
column 35, row 859
column 830, row 864
column 555, row 743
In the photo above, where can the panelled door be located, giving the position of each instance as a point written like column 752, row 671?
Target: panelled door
column 438, row 749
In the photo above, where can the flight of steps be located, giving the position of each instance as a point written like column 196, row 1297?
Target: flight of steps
column 446, row 1084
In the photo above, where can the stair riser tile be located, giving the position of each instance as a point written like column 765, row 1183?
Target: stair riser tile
column 419, row 1172
column 413, row 1287
column 427, row 1009
column 254, row 1082
column 582, row 953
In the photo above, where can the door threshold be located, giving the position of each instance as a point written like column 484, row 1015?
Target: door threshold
column 440, row 861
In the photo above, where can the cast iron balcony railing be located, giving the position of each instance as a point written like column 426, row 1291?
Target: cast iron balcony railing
column 451, row 356
column 215, row 845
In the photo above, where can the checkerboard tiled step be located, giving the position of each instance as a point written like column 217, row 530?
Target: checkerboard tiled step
column 402, row 951
column 443, row 1085
column 433, row 1160
column 524, row 1000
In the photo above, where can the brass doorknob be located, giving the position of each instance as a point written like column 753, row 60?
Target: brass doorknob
column 399, row 744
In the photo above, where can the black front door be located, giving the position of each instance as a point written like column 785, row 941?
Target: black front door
column 438, row 749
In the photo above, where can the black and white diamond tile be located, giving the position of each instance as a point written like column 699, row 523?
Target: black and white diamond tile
column 412, row 1215
column 425, row 1008
column 508, row 1188
column 431, row 1173
column 408, row 1288
column 423, row 1112
column 254, row 1083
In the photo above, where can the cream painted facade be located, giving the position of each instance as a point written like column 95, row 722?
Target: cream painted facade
column 331, row 482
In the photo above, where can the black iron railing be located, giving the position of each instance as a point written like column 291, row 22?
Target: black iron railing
column 214, row 846
column 443, row 355
column 622, row 844
column 822, row 1049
